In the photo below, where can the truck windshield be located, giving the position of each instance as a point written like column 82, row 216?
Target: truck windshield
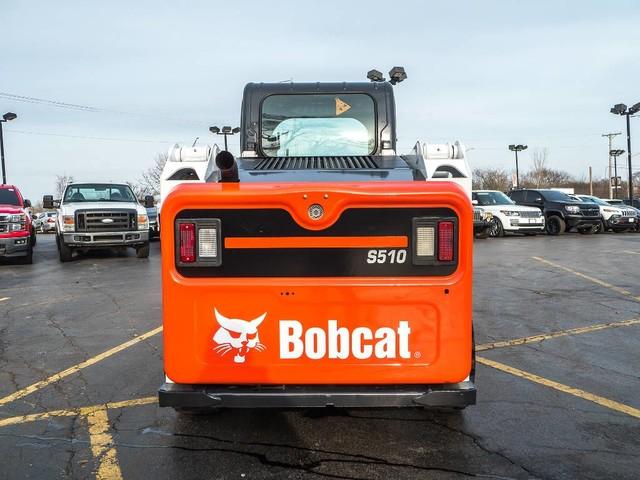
column 96, row 192
column 317, row 125
column 8, row 196
column 492, row 198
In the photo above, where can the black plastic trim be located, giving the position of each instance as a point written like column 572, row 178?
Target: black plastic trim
column 457, row 395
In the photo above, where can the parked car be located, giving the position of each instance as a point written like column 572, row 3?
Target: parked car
column 616, row 218
column 619, row 202
column 154, row 224
column 507, row 217
column 99, row 215
column 561, row 212
column 481, row 222
column 45, row 222
column 17, row 235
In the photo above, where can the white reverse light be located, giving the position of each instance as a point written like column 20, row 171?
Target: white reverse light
column 425, row 241
column 208, row 242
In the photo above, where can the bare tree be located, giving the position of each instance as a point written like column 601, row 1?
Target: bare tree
column 149, row 182
column 537, row 175
column 61, row 184
column 490, row 179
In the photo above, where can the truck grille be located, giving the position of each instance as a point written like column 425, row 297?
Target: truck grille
column 628, row 213
column 4, row 217
column 590, row 212
column 530, row 214
column 3, row 228
column 477, row 215
column 317, row 163
column 106, row 220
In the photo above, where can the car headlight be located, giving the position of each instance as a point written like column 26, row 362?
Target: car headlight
column 18, row 218
column 143, row 221
column 572, row 208
column 510, row 213
column 609, row 210
column 16, row 227
column 68, row 223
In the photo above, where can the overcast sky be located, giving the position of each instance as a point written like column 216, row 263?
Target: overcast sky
column 488, row 73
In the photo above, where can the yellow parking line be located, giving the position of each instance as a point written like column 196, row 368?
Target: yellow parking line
column 34, row 417
column 4, row 298
column 597, row 281
column 561, row 333
column 76, row 368
column 576, row 392
column 102, row 446
column 72, row 412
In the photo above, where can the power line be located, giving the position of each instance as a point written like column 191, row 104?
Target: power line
column 88, row 108
column 87, row 137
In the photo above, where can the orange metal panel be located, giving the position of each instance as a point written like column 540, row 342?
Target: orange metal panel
column 343, row 330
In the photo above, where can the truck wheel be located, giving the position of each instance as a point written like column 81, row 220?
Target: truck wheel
column 65, row 252
column 555, row 225
column 28, row 258
column 34, row 237
column 599, row 228
column 143, row 251
column 496, row 229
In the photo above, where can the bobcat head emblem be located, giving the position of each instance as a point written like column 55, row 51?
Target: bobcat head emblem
column 237, row 336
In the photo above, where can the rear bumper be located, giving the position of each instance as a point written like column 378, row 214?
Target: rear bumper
column 106, row 239
column 457, row 395
column 14, row 246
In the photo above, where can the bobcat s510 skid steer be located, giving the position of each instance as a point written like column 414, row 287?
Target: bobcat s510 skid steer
column 320, row 268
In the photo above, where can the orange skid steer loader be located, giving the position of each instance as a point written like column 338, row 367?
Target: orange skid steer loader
column 320, row 268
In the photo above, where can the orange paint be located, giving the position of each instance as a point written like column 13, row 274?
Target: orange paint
column 371, row 313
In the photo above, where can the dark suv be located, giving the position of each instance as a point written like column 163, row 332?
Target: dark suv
column 562, row 212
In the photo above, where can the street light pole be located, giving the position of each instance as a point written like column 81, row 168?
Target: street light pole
column 629, row 160
column 621, row 109
column 4, row 174
column 516, row 149
column 615, row 154
column 7, row 117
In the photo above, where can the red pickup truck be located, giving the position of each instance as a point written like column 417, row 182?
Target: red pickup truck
column 17, row 235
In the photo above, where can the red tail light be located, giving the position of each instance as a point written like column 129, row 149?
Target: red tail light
column 445, row 241
column 187, row 242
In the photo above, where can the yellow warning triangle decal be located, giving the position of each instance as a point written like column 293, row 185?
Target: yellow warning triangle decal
column 341, row 107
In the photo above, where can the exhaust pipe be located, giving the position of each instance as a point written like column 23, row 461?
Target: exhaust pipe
column 228, row 167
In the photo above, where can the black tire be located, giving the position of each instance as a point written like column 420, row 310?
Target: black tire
column 496, row 229
column 555, row 225
column 483, row 234
column 34, row 237
column 599, row 228
column 28, row 258
column 143, row 251
column 65, row 252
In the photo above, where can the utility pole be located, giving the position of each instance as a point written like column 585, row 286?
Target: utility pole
column 591, row 181
column 610, row 135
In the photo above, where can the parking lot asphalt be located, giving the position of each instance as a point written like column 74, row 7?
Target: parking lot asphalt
column 557, row 322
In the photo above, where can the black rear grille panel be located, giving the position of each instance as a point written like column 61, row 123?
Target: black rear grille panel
column 313, row 262
column 317, row 163
column 115, row 220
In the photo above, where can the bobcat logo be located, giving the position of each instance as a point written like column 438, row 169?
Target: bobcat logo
column 238, row 336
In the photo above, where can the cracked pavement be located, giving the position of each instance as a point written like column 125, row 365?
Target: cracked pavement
column 61, row 314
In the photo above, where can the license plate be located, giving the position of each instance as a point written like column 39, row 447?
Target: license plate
column 631, row 220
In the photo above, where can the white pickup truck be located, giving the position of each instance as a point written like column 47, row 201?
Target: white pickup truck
column 99, row 215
